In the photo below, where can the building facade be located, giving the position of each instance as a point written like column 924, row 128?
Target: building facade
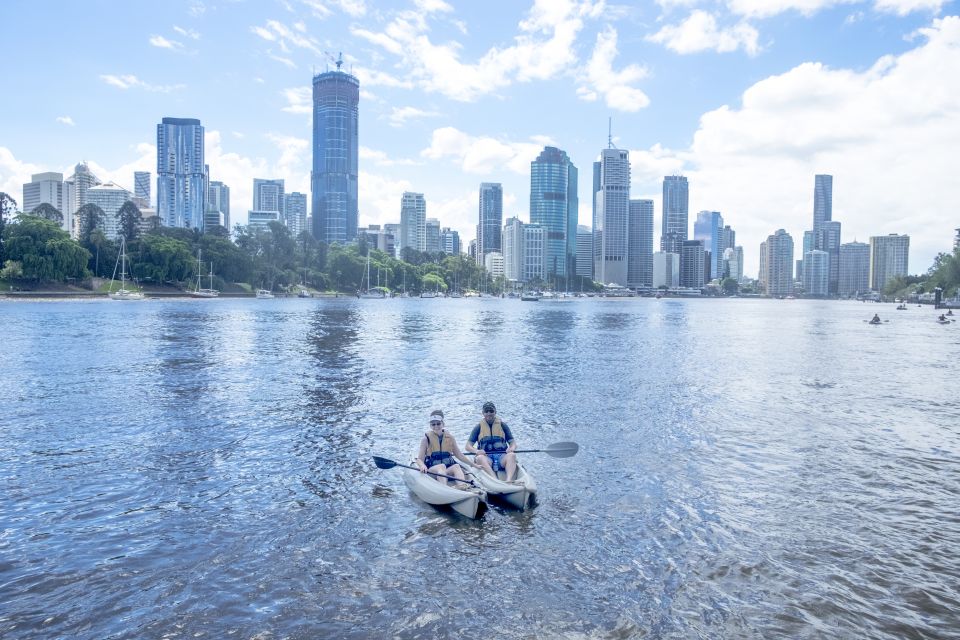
column 676, row 210
column 181, row 200
column 640, row 244
column 333, row 179
column 708, row 227
column 692, row 264
column 141, row 185
column 611, row 219
column 778, row 264
column 533, row 251
column 816, row 273
column 450, row 241
column 295, row 212
column 554, row 205
column 432, row 235
column 218, row 199
column 512, row 243
column 268, row 195
column 584, row 252
column 413, row 222
column 889, row 258
column 490, row 219
column 854, row 269
column 109, row 197
column 666, row 270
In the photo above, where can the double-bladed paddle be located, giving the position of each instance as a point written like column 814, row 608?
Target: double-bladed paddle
column 387, row 463
column 556, row 450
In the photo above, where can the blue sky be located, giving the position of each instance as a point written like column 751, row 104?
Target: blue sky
column 747, row 98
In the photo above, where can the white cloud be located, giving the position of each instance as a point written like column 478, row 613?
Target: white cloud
column 263, row 33
column 699, row 32
column 187, row 33
column 543, row 49
column 432, row 6
column 66, row 120
column 888, row 135
column 163, row 43
column 355, row 8
column 285, row 61
column 371, row 77
column 379, row 198
column 380, row 158
column 482, row 155
column 401, row 115
column 903, row 7
column 768, row 8
column 130, row 81
column 600, row 78
column 299, row 100
column 197, row 8
column 14, row 173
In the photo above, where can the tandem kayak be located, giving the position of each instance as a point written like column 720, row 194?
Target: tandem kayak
column 470, row 502
column 519, row 493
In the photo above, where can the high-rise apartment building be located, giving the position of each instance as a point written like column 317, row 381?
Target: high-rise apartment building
column 450, row 241
column 732, row 263
column 392, row 229
column 778, row 250
column 676, row 209
column 432, row 235
column 584, row 252
column 141, row 186
column 709, row 228
column 333, row 180
column 554, row 204
column 490, row 219
column 640, row 244
column 181, row 200
column 268, row 195
column 692, row 264
column 854, row 269
column 822, row 199
column 413, row 222
column 218, row 199
column 295, row 212
column 43, row 187
column 816, row 272
column 109, row 197
column 512, row 243
column 889, row 258
column 534, row 253
column 827, row 238
column 611, row 218
column 666, row 270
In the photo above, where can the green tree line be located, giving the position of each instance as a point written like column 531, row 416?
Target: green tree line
column 34, row 248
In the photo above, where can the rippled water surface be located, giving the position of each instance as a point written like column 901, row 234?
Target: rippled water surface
column 748, row 469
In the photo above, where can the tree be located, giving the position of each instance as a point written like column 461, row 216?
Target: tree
column 7, row 208
column 164, row 259
column 97, row 239
column 128, row 220
column 47, row 211
column 729, row 286
column 45, row 251
column 91, row 216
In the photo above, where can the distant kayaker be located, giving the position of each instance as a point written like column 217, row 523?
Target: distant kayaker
column 493, row 443
column 439, row 451
column 876, row 319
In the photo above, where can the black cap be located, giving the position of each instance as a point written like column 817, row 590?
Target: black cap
column 489, row 406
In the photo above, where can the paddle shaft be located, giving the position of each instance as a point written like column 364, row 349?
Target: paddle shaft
column 439, row 475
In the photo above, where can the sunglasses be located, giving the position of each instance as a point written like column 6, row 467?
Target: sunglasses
column 434, row 423
column 489, row 411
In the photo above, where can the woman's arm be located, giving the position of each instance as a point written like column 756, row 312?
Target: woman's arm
column 421, row 454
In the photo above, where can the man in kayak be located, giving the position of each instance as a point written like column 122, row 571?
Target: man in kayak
column 493, row 443
column 439, row 451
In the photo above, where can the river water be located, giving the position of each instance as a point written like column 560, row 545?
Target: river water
column 747, row 469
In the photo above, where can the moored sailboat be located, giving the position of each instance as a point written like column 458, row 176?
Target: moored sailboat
column 123, row 293
column 200, row 292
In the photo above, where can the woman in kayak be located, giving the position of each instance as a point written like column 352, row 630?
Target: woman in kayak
column 439, row 451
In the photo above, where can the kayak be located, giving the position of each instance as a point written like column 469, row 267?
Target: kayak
column 471, row 502
column 519, row 494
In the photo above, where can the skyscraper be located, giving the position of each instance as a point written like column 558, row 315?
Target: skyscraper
column 676, row 207
column 611, row 218
column 180, row 173
column 554, row 204
column 513, row 249
column 413, row 222
column 889, row 258
column 432, row 235
column 640, row 244
column 584, row 251
column 822, row 199
column 109, row 197
column 218, row 199
column 692, row 269
column 268, row 195
column 779, row 263
column 708, row 227
column 827, row 238
column 295, row 212
column 43, row 187
column 816, row 272
column 490, row 219
column 450, row 241
column 141, row 186
column 854, row 268
column 333, row 181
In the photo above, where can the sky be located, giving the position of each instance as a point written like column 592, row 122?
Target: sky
column 749, row 99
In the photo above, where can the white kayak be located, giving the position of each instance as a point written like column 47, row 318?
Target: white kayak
column 519, row 493
column 470, row 502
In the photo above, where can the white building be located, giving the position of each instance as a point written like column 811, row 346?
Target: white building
column 295, row 212
column 258, row 220
column 493, row 263
column 889, row 258
column 779, row 263
column 666, row 269
column 43, row 187
column 109, row 197
column 732, row 263
column 816, row 273
column 612, row 211
column 413, row 222
column 512, row 244
column 854, row 269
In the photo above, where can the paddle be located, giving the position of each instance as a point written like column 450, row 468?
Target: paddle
column 387, row 463
column 555, row 450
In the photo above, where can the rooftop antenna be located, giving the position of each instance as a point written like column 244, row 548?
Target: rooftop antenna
column 339, row 60
column 610, row 133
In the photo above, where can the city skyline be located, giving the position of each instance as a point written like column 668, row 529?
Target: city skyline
column 721, row 95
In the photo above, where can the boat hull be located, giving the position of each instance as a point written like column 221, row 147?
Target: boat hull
column 470, row 503
column 519, row 494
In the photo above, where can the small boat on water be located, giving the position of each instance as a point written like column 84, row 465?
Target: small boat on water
column 263, row 294
column 123, row 293
column 470, row 502
column 200, row 292
column 529, row 297
column 519, row 494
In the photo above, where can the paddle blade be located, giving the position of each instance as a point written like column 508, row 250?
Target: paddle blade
column 384, row 463
column 562, row 449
